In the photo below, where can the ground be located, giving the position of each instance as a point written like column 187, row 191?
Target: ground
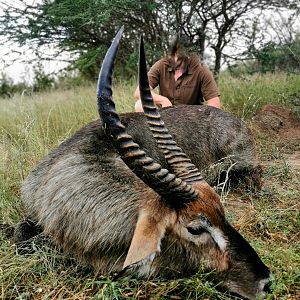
column 269, row 219
column 272, row 215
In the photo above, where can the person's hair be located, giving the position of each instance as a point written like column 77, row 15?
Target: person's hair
column 179, row 45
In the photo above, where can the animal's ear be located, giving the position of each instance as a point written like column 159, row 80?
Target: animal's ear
column 145, row 243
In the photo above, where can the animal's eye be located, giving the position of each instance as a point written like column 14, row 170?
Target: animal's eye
column 196, row 230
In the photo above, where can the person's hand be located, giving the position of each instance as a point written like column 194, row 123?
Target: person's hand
column 164, row 101
column 161, row 101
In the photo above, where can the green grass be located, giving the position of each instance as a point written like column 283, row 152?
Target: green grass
column 244, row 96
column 31, row 126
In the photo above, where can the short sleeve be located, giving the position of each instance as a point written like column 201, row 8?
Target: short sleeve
column 209, row 86
column 154, row 74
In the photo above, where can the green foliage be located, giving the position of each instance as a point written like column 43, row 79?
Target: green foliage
column 88, row 63
column 85, row 28
column 71, row 80
column 6, row 86
column 42, row 81
column 272, row 58
column 131, row 65
column 283, row 57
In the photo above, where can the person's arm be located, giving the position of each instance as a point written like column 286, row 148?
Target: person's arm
column 214, row 102
column 158, row 100
column 153, row 76
column 209, row 88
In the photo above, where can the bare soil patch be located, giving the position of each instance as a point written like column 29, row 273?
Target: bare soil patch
column 279, row 127
column 279, row 123
column 278, row 120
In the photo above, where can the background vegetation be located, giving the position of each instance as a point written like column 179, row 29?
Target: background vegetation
column 227, row 30
column 30, row 126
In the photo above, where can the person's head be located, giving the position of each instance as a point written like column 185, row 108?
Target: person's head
column 180, row 46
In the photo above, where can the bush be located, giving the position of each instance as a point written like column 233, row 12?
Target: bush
column 6, row 86
column 42, row 81
column 271, row 58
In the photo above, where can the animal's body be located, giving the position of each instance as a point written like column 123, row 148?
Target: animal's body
column 86, row 188
column 105, row 201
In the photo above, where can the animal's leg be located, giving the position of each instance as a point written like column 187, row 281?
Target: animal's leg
column 24, row 233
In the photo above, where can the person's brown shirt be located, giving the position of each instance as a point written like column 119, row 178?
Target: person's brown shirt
column 195, row 85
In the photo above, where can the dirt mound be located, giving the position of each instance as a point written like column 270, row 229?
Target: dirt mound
column 279, row 123
column 276, row 119
column 279, row 128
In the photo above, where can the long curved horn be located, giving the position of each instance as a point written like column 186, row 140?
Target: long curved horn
column 172, row 189
column 178, row 161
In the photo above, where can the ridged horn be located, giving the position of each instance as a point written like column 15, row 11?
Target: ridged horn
column 178, row 161
column 172, row 189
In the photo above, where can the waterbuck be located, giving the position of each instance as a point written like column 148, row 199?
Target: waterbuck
column 123, row 196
